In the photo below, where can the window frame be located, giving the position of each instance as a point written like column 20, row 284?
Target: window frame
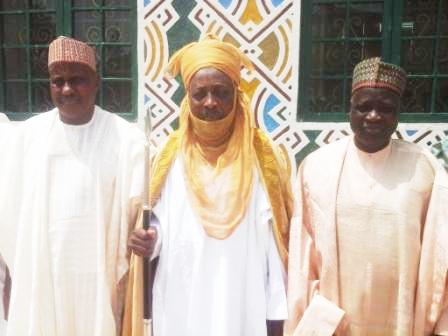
column 63, row 11
column 391, row 41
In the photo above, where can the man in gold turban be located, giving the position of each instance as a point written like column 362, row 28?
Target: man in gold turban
column 220, row 196
column 368, row 251
column 66, row 193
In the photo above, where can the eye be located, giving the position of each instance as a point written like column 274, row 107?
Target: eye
column 387, row 109
column 76, row 81
column 363, row 108
column 57, row 82
column 198, row 94
column 223, row 93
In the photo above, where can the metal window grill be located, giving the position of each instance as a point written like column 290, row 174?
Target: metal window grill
column 337, row 34
column 26, row 29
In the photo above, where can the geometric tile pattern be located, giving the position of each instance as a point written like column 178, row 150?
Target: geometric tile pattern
column 265, row 30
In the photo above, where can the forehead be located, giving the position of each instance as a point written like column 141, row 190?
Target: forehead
column 376, row 94
column 210, row 76
column 70, row 69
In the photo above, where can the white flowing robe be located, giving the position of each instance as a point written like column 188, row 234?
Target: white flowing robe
column 367, row 248
column 71, row 191
column 205, row 286
column 5, row 137
column 2, row 288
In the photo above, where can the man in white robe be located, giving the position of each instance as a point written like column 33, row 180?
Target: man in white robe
column 368, row 251
column 4, row 295
column 72, row 178
column 222, row 219
column 5, row 137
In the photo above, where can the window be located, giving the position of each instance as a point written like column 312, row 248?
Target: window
column 28, row 26
column 336, row 35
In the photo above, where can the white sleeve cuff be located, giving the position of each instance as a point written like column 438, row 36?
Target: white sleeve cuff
column 158, row 245
column 277, row 306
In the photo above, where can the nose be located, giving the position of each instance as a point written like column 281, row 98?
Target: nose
column 210, row 101
column 67, row 88
column 373, row 115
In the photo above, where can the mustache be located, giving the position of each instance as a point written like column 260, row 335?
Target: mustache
column 68, row 100
column 212, row 114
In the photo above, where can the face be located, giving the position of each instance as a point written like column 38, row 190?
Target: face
column 374, row 117
column 73, row 90
column 211, row 94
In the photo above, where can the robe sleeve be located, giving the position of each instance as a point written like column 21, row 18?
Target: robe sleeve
column 442, row 323
column 132, row 324
column 309, row 313
column 11, row 184
column 130, row 184
column 3, row 276
column 275, row 288
column 431, row 314
column 276, row 291
column 133, row 312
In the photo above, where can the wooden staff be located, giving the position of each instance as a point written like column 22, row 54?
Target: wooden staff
column 147, row 266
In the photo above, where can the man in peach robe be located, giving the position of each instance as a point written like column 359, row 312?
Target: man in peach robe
column 368, row 243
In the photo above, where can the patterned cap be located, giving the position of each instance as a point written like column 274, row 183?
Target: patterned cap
column 68, row 50
column 373, row 73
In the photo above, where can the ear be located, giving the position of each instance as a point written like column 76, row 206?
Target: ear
column 97, row 81
column 350, row 108
column 398, row 109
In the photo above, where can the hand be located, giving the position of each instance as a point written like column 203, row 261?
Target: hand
column 142, row 241
column 6, row 294
column 274, row 327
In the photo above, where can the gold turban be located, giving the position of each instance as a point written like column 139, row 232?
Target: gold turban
column 68, row 50
column 218, row 174
column 373, row 73
column 208, row 53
